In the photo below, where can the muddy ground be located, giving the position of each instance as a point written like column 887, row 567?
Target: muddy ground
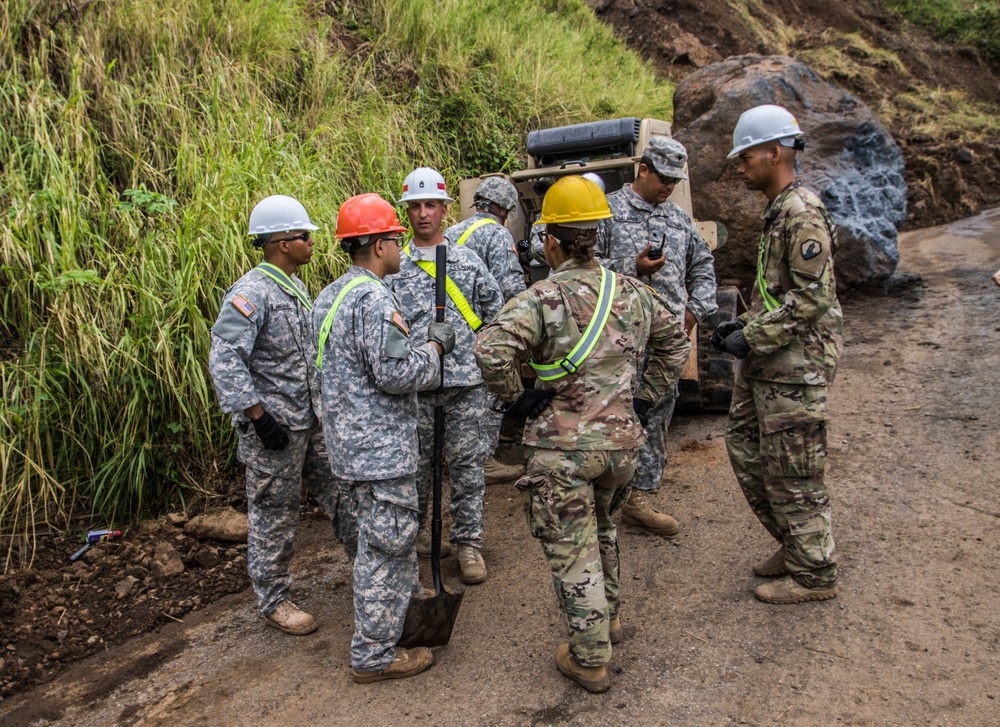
column 913, row 638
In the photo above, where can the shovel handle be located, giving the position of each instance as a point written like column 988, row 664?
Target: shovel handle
column 440, row 278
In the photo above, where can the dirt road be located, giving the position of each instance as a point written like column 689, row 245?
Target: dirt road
column 914, row 637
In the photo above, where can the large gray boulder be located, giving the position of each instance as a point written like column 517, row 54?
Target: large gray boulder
column 850, row 161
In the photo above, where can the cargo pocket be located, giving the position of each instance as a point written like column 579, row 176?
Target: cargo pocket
column 798, row 451
column 390, row 529
column 539, row 505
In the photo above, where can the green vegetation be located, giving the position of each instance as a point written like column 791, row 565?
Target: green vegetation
column 138, row 135
column 975, row 23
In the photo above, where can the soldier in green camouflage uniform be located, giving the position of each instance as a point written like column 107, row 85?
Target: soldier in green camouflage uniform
column 653, row 239
column 583, row 432
column 789, row 341
column 371, row 369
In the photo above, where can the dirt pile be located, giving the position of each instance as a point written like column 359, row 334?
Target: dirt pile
column 921, row 89
column 58, row 612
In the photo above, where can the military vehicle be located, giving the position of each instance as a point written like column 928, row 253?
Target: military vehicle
column 612, row 149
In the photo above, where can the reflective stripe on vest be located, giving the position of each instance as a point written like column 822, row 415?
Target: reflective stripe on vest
column 324, row 329
column 770, row 302
column 279, row 276
column 583, row 347
column 454, row 292
column 473, row 227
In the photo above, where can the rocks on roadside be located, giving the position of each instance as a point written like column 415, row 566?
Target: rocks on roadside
column 851, row 161
column 220, row 524
column 177, row 519
column 207, row 557
column 167, row 561
column 125, row 586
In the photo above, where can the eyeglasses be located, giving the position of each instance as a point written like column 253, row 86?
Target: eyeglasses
column 305, row 237
column 398, row 239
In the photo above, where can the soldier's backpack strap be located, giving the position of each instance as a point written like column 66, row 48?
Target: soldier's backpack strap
column 583, row 347
column 278, row 275
column 324, row 329
column 454, row 292
column 473, row 227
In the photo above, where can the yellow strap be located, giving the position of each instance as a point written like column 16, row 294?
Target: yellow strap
column 587, row 342
column 324, row 329
column 454, row 292
column 473, row 227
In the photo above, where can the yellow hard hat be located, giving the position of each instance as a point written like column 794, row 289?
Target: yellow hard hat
column 574, row 202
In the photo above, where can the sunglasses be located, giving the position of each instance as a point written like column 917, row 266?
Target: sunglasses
column 305, row 237
column 664, row 179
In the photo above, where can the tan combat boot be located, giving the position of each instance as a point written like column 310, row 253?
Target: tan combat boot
column 497, row 472
column 638, row 511
column 592, row 678
column 773, row 566
column 786, row 591
column 615, row 630
column 424, row 545
column 291, row 619
column 470, row 560
column 407, row 663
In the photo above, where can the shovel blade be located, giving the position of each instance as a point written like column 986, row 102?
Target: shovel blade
column 430, row 619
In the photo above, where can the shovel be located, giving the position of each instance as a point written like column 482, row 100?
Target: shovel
column 430, row 619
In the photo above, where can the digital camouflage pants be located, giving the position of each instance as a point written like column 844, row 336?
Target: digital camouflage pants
column 653, row 454
column 776, row 440
column 469, row 431
column 385, row 568
column 274, row 482
column 569, row 498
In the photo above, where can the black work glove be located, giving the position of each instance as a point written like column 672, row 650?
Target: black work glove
column 532, row 402
column 736, row 344
column 443, row 335
column 641, row 407
column 723, row 331
column 272, row 435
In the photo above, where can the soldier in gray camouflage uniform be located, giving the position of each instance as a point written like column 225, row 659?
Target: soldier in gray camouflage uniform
column 583, row 432
column 484, row 233
column 370, row 371
column 651, row 238
column 261, row 362
column 789, row 341
column 468, row 426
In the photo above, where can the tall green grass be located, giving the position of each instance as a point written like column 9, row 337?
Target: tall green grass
column 137, row 137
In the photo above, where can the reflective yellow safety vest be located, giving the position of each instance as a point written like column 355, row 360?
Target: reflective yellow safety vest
column 583, row 347
column 473, row 227
column 324, row 329
column 278, row 275
column 454, row 292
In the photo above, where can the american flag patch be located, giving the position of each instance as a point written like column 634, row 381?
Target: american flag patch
column 400, row 322
column 243, row 305
column 441, row 186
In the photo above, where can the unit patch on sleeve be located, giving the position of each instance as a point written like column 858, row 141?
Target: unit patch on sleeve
column 811, row 248
column 400, row 322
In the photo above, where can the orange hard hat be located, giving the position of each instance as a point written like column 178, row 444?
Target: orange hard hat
column 367, row 214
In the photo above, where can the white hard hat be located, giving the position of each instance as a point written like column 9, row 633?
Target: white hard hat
column 596, row 179
column 766, row 123
column 424, row 183
column 278, row 213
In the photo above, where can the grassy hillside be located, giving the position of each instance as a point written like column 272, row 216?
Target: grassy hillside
column 138, row 136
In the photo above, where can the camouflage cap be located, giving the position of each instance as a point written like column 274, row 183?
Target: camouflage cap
column 668, row 157
column 499, row 191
